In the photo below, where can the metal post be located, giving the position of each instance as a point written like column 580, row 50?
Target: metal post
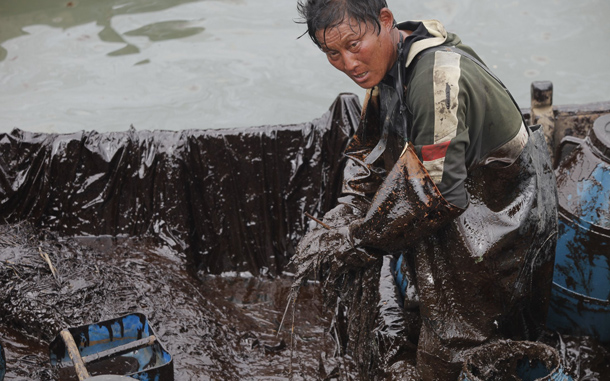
column 542, row 111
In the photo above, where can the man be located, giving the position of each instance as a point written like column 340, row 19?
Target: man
column 441, row 173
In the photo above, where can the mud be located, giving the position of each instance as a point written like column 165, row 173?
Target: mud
column 215, row 327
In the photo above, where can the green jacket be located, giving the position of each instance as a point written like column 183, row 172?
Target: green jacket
column 458, row 114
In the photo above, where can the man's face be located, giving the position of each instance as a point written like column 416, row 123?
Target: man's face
column 358, row 51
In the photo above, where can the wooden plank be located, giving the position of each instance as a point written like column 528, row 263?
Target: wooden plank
column 74, row 353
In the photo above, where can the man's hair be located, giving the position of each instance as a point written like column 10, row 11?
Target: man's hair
column 327, row 14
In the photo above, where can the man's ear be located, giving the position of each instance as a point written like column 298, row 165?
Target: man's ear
column 386, row 18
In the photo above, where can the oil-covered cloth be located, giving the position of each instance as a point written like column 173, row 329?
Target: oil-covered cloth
column 482, row 272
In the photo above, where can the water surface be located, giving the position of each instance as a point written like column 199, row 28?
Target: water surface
column 183, row 64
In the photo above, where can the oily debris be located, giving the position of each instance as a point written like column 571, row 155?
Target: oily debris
column 228, row 199
column 92, row 285
column 368, row 323
column 510, row 360
column 215, row 327
column 583, row 357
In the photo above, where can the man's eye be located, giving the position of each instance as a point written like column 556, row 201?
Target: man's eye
column 354, row 45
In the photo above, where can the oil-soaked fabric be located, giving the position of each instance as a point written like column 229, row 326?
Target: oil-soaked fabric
column 483, row 272
column 231, row 199
column 487, row 274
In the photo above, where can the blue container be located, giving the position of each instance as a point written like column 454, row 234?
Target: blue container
column 402, row 282
column 100, row 346
column 580, row 296
column 513, row 360
column 406, row 288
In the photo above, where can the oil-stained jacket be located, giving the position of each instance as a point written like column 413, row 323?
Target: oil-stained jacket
column 466, row 194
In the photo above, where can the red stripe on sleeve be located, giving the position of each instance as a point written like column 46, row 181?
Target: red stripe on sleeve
column 434, row 151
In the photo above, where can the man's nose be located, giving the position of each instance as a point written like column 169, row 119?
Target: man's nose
column 350, row 61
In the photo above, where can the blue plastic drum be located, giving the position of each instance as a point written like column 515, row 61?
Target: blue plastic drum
column 580, row 297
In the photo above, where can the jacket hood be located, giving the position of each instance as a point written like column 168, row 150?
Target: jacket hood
column 439, row 37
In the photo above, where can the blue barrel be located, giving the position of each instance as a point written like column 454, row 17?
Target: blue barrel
column 406, row 287
column 513, row 360
column 402, row 282
column 580, row 295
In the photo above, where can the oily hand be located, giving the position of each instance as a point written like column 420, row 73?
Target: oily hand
column 331, row 248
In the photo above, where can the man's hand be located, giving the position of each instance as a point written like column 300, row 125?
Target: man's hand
column 332, row 247
column 329, row 245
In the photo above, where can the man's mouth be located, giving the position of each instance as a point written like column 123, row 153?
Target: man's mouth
column 361, row 75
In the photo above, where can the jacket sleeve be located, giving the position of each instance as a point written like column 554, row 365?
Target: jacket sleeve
column 440, row 99
column 459, row 115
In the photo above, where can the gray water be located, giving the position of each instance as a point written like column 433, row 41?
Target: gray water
column 183, row 64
